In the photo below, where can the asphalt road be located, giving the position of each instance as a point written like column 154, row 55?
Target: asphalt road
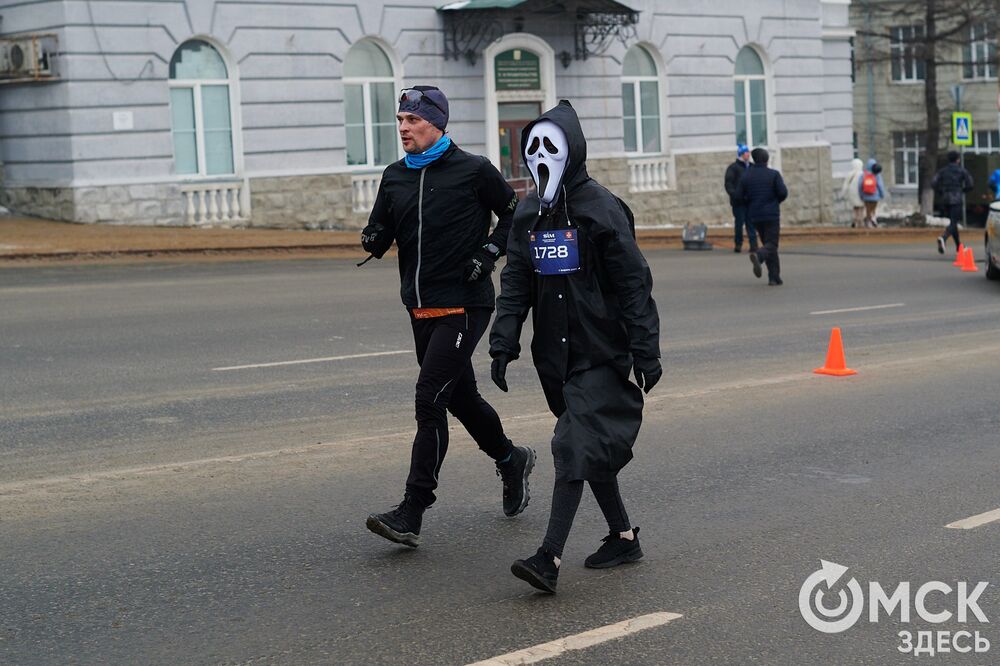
column 159, row 503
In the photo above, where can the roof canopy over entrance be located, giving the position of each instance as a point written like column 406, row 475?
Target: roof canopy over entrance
column 472, row 24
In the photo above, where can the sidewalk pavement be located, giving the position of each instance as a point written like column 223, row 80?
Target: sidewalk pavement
column 30, row 240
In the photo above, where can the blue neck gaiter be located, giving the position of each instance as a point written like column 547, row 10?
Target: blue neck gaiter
column 421, row 160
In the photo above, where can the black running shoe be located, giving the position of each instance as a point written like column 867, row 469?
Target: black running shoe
column 514, row 475
column 615, row 550
column 401, row 525
column 755, row 260
column 539, row 570
column 940, row 242
column 775, row 282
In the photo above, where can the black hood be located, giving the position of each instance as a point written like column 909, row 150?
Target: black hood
column 564, row 115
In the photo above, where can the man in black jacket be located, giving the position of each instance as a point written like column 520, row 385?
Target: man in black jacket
column 762, row 190
column 436, row 204
column 951, row 183
column 734, row 174
column 572, row 260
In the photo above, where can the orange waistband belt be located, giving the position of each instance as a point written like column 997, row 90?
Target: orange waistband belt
column 430, row 313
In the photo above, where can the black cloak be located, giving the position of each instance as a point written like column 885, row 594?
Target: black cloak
column 588, row 325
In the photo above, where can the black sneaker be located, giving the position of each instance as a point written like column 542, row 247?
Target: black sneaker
column 401, row 525
column 514, row 475
column 774, row 282
column 615, row 550
column 737, row 249
column 940, row 242
column 755, row 260
column 539, row 570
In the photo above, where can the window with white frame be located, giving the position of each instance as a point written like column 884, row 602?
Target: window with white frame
column 979, row 57
column 201, row 109
column 985, row 141
column 370, row 106
column 750, row 98
column 907, row 147
column 905, row 47
column 640, row 102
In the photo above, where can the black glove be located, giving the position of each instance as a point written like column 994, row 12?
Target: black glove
column 480, row 265
column 369, row 237
column 498, row 371
column 647, row 372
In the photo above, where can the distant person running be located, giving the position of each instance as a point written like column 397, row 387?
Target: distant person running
column 871, row 189
column 734, row 174
column 436, row 205
column 950, row 184
column 762, row 190
column 573, row 263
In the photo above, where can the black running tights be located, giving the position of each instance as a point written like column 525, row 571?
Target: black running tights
column 565, row 501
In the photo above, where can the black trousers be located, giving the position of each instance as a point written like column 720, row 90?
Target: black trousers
column 566, row 498
column 768, row 252
column 955, row 215
column 447, row 383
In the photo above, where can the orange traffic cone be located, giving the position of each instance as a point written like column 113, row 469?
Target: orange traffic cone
column 835, row 364
column 959, row 256
column 969, row 262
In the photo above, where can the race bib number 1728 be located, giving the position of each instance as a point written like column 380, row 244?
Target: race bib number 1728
column 555, row 252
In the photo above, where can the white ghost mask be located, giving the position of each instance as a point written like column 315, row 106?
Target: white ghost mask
column 547, row 154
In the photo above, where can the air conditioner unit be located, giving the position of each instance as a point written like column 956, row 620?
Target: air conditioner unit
column 27, row 58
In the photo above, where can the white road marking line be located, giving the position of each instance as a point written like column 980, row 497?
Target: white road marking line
column 580, row 641
column 311, row 360
column 861, row 309
column 975, row 521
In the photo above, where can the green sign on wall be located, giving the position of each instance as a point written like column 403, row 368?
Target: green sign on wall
column 517, row 69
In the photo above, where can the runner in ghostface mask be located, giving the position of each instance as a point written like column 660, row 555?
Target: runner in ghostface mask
column 572, row 260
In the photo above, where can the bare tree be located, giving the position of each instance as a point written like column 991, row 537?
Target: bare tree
column 942, row 32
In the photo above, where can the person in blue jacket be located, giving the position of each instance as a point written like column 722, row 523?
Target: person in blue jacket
column 995, row 184
column 872, row 191
column 762, row 190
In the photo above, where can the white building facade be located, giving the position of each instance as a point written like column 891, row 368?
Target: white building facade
column 282, row 113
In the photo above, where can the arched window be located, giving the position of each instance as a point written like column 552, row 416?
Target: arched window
column 750, row 97
column 201, row 111
column 370, row 106
column 640, row 102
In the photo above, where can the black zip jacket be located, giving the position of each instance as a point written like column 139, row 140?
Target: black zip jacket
column 602, row 314
column 734, row 174
column 439, row 216
column 950, row 182
column 762, row 190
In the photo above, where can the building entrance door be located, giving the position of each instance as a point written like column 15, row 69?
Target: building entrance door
column 513, row 116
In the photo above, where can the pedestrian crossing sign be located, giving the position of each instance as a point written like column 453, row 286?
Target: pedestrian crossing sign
column 961, row 129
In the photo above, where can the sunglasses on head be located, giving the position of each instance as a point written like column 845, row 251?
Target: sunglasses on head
column 414, row 95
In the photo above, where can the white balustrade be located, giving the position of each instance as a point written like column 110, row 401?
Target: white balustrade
column 216, row 202
column 649, row 174
column 364, row 189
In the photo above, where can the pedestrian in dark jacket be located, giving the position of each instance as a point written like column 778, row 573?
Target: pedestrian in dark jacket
column 436, row 205
column 573, row 262
column 734, row 174
column 762, row 190
column 950, row 184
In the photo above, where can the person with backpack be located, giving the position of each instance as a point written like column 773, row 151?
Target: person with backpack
column 871, row 189
column 950, row 184
column 574, row 264
column 734, row 174
column 762, row 190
